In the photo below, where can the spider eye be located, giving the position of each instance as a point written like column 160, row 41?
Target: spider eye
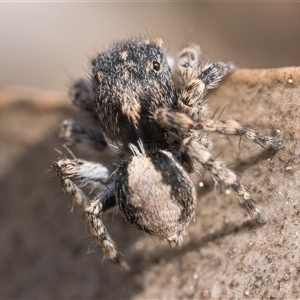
column 156, row 66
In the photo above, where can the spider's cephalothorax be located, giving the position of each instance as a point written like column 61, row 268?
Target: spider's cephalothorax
column 160, row 129
column 132, row 80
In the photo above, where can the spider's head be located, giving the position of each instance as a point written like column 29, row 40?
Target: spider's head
column 131, row 80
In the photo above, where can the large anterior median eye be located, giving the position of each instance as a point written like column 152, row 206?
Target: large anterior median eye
column 156, row 66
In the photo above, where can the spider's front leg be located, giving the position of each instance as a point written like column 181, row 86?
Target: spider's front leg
column 198, row 152
column 74, row 132
column 177, row 120
column 196, row 79
column 71, row 131
column 233, row 127
column 83, row 96
column 74, row 174
column 97, row 228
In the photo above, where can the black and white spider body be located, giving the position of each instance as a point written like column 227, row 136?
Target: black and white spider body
column 131, row 81
column 160, row 129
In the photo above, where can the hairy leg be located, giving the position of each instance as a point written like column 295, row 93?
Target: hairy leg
column 195, row 149
column 222, row 175
column 196, row 79
column 74, row 174
column 180, row 121
column 93, row 212
column 189, row 57
column 74, row 132
column 83, row 96
column 233, row 127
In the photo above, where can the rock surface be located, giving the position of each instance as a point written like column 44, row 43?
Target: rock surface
column 225, row 255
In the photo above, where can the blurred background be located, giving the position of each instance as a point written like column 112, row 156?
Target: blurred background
column 46, row 44
column 43, row 47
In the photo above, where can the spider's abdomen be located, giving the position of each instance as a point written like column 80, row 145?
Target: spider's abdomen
column 156, row 195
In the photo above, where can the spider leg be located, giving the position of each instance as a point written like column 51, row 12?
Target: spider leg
column 195, row 149
column 92, row 215
column 197, row 79
column 222, row 174
column 83, row 96
column 189, row 57
column 233, row 127
column 75, row 173
column 74, row 132
column 211, row 73
column 177, row 120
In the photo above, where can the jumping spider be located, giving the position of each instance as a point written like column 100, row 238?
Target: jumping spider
column 159, row 126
